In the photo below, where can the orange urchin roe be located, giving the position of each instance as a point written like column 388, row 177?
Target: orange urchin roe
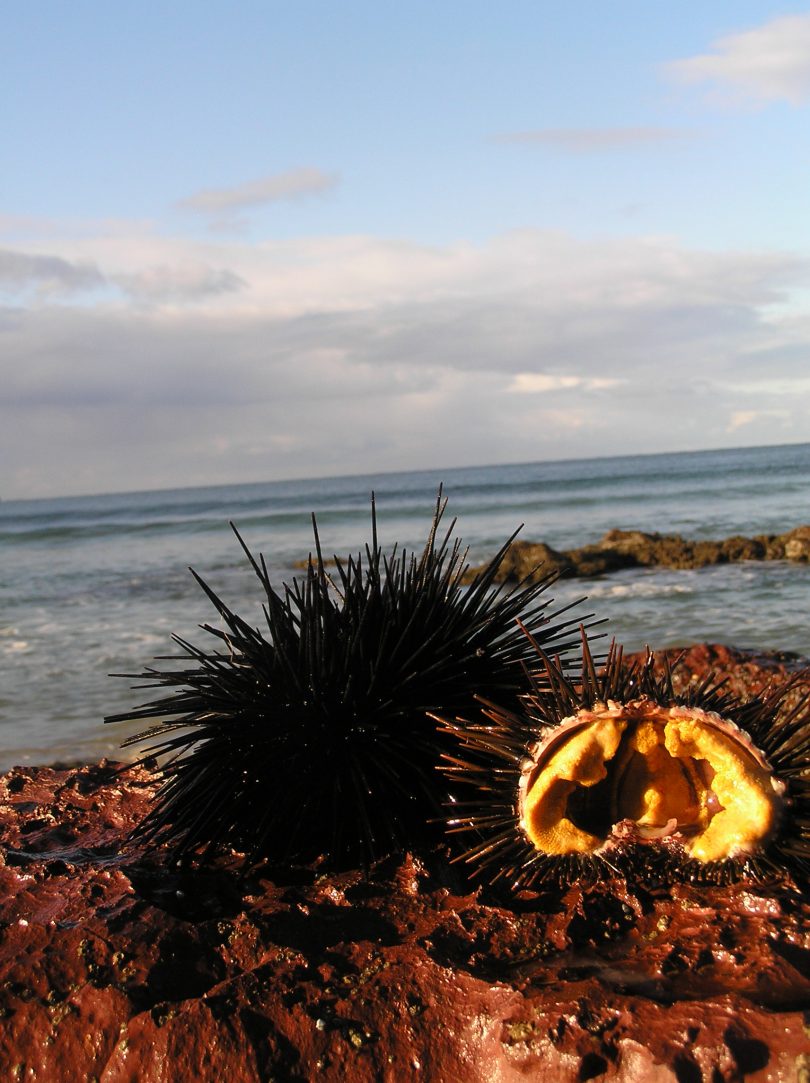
column 671, row 770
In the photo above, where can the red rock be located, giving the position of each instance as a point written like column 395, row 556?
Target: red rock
column 118, row 968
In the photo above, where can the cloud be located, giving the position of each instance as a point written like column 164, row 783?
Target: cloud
column 188, row 282
column 768, row 63
column 593, row 140
column 42, row 277
column 22, row 271
column 279, row 186
column 236, row 361
column 741, row 419
column 537, row 382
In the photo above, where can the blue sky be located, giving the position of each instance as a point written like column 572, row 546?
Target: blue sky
column 253, row 241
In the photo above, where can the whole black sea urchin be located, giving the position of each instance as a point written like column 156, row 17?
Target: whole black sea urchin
column 315, row 739
column 617, row 773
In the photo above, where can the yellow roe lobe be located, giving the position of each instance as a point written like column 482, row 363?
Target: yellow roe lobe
column 670, row 770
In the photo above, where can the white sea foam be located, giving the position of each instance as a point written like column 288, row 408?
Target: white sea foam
column 16, row 646
column 642, row 588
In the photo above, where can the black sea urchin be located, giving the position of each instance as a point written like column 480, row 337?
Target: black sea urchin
column 617, row 772
column 316, row 738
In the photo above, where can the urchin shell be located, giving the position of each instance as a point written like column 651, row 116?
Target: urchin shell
column 509, row 785
column 313, row 737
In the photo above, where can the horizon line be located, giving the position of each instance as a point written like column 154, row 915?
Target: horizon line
column 393, row 473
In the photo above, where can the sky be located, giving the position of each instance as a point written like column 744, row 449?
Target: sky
column 264, row 240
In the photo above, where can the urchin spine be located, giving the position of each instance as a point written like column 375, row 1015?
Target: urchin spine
column 314, row 737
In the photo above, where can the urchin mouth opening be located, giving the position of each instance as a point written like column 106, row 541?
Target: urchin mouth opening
column 643, row 771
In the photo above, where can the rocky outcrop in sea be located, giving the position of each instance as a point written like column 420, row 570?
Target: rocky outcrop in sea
column 620, row 549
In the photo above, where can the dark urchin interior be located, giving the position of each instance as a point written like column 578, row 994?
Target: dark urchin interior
column 485, row 770
column 312, row 736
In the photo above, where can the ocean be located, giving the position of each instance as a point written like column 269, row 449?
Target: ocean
column 96, row 585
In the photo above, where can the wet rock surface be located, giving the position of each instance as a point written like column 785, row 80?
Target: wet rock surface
column 745, row 673
column 620, row 549
column 115, row 967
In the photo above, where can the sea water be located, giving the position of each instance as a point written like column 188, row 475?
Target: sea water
column 96, row 585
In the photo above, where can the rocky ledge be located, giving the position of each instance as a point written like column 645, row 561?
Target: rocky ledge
column 115, row 967
column 620, row 549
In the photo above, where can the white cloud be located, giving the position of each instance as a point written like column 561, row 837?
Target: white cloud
column 740, row 418
column 536, row 382
column 279, row 186
column 589, row 140
column 768, row 63
column 230, row 361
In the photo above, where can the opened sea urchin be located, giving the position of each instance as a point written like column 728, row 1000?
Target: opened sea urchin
column 313, row 736
column 617, row 772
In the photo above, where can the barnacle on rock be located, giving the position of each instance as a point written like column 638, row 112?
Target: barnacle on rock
column 315, row 738
column 617, row 772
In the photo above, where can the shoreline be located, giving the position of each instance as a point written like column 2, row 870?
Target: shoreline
column 404, row 971
column 727, row 660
